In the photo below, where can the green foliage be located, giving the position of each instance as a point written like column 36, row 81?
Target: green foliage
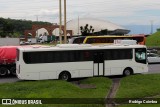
column 10, row 27
column 85, row 31
column 56, row 89
column 139, row 86
column 153, row 40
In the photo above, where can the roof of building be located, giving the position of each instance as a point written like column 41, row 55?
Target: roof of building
column 97, row 24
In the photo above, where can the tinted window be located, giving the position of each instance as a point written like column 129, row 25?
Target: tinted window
column 78, row 40
column 57, row 56
column 17, row 52
column 99, row 40
column 75, row 56
column 118, row 54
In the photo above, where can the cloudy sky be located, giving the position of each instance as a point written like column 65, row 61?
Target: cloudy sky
column 123, row 12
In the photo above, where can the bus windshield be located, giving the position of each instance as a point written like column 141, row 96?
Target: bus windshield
column 140, row 56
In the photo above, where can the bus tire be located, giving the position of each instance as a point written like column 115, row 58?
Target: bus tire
column 65, row 75
column 13, row 70
column 3, row 71
column 127, row 72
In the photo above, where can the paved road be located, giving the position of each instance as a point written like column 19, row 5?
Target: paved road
column 153, row 68
column 8, row 79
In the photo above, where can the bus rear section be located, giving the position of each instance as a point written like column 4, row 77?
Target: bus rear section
column 110, row 39
column 76, row 62
column 18, row 62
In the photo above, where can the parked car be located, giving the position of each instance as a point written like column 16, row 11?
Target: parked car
column 22, row 42
column 153, row 58
column 152, row 50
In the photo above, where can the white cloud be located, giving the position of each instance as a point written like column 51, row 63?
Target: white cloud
column 48, row 12
column 119, row 11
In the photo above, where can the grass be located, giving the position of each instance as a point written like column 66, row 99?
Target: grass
column 56, row 89
column 139, row 86
column 153, row 40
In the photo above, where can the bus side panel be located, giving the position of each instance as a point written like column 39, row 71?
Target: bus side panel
column 31, row 76
column 116, row 67
column 77, row 69
column 140, row 68
column 52, row 70
column 48, row 75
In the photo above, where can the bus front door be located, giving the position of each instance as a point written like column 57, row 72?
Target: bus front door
column 98, row 64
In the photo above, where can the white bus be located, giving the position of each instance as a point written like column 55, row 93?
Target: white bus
column 74, row 61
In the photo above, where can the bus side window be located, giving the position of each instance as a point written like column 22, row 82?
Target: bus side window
column 89, row 40
column 103, row 40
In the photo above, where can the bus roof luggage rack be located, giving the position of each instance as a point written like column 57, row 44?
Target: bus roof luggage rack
column 40, row 46
column 118, row 44
column 102, row 45
column 73, row 45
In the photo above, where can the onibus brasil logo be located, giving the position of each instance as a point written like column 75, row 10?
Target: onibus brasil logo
column 20, row 101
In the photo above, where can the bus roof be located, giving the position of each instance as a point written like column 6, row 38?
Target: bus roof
column 80, row 47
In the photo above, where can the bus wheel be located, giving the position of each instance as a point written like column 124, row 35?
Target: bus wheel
column 65, row 75
column 13, row 70
column 127, row 72
column 3, row 71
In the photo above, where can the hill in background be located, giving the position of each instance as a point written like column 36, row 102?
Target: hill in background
column 154, row 39
column 15, row 28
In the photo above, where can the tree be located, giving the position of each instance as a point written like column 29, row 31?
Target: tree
column 85, row 31
column 12, row 27
column 8, row 28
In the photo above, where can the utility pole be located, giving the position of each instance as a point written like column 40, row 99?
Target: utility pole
column 78, row 25
column 60, row 21
column 152, row 26
column 65, row 25
column 37, row 30
column 37, row 18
